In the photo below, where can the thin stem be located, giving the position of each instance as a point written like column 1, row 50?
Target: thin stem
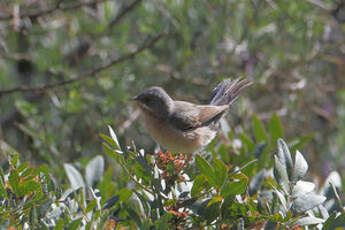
column 130, row 175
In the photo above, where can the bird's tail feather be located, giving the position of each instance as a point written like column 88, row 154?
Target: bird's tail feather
column 228, row 91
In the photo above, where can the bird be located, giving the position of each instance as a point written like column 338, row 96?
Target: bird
column 181, row 126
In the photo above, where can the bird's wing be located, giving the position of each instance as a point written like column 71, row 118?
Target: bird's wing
column 188, row 116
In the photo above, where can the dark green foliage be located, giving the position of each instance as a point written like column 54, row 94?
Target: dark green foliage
column 170, row 191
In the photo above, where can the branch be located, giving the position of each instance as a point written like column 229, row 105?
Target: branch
column 320, row 4
column 58, row 6
column 123, row 12
column 87, row 74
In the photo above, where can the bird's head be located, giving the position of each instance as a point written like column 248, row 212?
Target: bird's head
column 155, row 100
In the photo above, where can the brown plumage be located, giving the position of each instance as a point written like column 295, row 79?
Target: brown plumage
column 181, row 126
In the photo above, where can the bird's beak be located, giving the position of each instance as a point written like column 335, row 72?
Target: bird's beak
column 133, row 98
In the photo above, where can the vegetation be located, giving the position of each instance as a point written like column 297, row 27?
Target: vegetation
column 171, row 191
column 68, row 67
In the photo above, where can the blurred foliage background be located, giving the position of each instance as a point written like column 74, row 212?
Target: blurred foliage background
column 68, row 67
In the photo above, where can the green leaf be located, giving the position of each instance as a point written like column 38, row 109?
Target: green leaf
column 91, row 205
column 210, row 212
column 276, row 128
column 112, row 143
column 163, row 221
column 259, row 130
column 59, row 225
column 75, row 224
column 106, row 186
column 22, row 167
column 334, row 221
column 3, row 192
column 261, row 139
column 114, row 137
column 125, row 194
column 198, row 185
column 13, row 179
column 28, row 186
column 214, row 200
column 206, row 169
column 234, row 188
column 248, row 143
column 111, row 153
column 299, row 142
column 15, row 159
column 220, row 171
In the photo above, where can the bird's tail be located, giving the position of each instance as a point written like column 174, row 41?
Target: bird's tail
column 228, row 91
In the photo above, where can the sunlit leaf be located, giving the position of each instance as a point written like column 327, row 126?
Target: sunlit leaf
column 302, row 187
column 309, row 220
column 94, row 171
column 305, row 202
column 74, row 176
column 114, row 137
column 215, row 200
column 300, row 168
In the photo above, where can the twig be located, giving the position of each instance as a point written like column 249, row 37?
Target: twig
column 87, row 74
column 132, row 177
column 58, row 6
column 134, row 115
column 123, row 12
column 337, row 198
column 320, row 4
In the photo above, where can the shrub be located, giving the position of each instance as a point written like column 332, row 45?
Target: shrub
column 174, row 191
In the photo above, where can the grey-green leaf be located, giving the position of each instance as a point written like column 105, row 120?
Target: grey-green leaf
column 256, row 182
column 94, row 171
column 300, row 167
column 333, row 178
column 284, row 155
column 309, row 220
column 74, row 177
column 302, row 187
column 282, row 199
column 281, row 175
column 305, row 202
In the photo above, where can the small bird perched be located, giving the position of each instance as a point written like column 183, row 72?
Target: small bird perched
column 181, row 126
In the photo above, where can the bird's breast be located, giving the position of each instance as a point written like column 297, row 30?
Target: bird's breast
column 173, row 139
